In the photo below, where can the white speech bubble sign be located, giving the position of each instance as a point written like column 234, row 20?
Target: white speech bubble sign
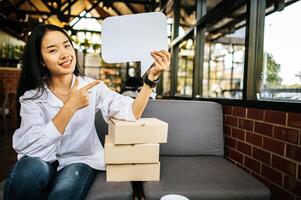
column 131, row 38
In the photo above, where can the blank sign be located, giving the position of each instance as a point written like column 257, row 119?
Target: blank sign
column 131, row 38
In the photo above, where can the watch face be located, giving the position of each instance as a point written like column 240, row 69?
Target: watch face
column 155, row 83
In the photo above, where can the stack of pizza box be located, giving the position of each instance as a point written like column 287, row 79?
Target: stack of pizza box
column 132, row 149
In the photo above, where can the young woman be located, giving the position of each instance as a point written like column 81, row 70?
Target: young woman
column 58, row 149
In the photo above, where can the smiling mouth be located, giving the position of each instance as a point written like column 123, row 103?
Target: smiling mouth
column 66, row 63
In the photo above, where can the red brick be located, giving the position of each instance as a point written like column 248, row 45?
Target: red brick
column 292, row 185
column 237, row 133
column 294, row 119
column 273, row 145
column 239, row 111
column 276, row 117
column 236, row 156
column 284, row 165
column 227, row 110
column 230, row 142
column 231, row 121
column 254, row 139
column 252, row 164
column 227, row 130
column 271, row 174
column 261, row 155
column 255, row 113
column 245, row 124
column 244, row 148
column 263, row 128
column 293, row 152
column 280, row 194
column 286, row 134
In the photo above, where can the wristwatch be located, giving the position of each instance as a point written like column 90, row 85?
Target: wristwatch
column 151, row 84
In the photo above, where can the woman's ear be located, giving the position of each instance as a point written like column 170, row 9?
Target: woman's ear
column 42, row 63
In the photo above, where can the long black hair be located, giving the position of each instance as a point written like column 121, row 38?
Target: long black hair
column 34, row 74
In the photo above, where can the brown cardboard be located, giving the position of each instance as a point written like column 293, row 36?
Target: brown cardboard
column 133, row 172
column 130, row 153
column 144, row 130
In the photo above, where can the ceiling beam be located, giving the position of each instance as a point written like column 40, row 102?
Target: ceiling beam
column 70, row 4
column 130, row 8
column 87, row 11
column 169, row 6
column 49, row 7
column 38, row 11
column 143, row 2
column 31, row 12
column 228, row 25
column 104, row 14
column 115, row 9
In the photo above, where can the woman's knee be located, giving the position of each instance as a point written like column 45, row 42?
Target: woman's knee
column 30, row 176
column 77, row 169
column 72, row 182
column 29, row 169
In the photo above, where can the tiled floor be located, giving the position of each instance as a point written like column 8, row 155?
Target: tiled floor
column 7, row 154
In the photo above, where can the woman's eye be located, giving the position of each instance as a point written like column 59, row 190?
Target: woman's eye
column 52, row 51
column 67, row 45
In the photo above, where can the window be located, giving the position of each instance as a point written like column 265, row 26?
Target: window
column 166, row 82
column 224, row 65
column 281, row 73
column 185, row 70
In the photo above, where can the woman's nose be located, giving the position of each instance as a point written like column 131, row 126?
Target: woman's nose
column 64, row 56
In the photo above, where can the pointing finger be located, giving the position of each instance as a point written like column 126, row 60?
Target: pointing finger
column 90, row 85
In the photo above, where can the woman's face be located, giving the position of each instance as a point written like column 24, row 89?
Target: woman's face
column 58, row 53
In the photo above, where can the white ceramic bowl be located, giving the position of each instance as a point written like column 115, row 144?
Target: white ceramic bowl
column 173, row 197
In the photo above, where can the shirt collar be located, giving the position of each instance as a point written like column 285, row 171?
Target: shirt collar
column 53, row 100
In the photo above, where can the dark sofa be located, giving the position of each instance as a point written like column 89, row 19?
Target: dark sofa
column 192, row 161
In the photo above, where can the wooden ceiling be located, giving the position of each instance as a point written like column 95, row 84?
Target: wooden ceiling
column 17, row 17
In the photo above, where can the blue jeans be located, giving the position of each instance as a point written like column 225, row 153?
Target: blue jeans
column 33, row 178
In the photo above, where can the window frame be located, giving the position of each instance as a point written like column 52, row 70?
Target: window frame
column 255, row 17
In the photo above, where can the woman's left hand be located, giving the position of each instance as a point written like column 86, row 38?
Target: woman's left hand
column 162, row 61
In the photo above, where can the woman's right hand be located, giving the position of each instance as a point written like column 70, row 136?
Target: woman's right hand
column 79, row 98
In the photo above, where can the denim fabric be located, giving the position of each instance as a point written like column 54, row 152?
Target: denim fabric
column 32, row 178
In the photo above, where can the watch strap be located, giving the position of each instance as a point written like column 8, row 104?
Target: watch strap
column 150, row 83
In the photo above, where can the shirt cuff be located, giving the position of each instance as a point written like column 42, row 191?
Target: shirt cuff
column 52, row 133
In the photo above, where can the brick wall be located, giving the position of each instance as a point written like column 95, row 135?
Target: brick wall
column 10, row 78
column 267, row 144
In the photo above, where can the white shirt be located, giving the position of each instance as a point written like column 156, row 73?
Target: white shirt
column 38, row 137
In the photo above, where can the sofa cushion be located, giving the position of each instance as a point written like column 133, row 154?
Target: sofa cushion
column 194, row 127
column 204, row 177
column 109, row 190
